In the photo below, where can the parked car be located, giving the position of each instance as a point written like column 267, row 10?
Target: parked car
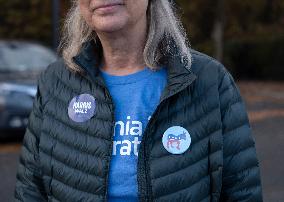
column 20, row 66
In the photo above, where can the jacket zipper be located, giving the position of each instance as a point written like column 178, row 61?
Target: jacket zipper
column 110, row 151
column 147, row 196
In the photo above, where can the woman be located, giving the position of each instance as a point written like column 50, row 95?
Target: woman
column 131, row 113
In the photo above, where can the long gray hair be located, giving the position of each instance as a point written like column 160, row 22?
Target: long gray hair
column 164, row 27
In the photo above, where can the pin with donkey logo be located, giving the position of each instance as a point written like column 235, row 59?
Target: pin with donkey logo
column 82, row 107
column 176, row 140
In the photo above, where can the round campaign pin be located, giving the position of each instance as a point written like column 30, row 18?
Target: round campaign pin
column 82, row 107
column 176, row 140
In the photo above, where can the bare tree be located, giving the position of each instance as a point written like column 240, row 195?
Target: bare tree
column 218, row 30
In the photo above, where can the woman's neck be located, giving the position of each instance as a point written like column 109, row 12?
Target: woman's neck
column 123, row 51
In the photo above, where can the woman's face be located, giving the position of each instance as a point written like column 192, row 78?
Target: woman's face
column 113, row 15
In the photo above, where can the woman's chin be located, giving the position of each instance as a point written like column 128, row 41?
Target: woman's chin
column 109, row 24
column 108, row 29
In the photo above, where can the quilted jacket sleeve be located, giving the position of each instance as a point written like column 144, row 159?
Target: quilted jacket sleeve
column 29, row 187
column 241, row 174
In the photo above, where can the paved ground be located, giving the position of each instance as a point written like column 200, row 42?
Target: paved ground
column 265, row 104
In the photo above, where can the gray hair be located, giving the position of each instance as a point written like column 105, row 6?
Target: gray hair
column 164, row 27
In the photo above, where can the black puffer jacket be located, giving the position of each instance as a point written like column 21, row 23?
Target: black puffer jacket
column 63, row 160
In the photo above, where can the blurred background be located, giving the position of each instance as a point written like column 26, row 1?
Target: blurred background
column 246, row 36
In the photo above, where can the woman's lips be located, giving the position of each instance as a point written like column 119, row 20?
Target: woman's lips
column 104, row 9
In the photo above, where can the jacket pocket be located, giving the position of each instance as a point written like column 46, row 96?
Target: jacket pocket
column 216, row 184
column 46, row 183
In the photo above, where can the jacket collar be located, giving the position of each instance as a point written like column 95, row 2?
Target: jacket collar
column 180, row 74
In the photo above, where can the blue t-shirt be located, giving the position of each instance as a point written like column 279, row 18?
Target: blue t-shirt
column 135, row 97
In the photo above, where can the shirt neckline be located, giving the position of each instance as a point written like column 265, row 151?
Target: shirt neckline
column 126, row 79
